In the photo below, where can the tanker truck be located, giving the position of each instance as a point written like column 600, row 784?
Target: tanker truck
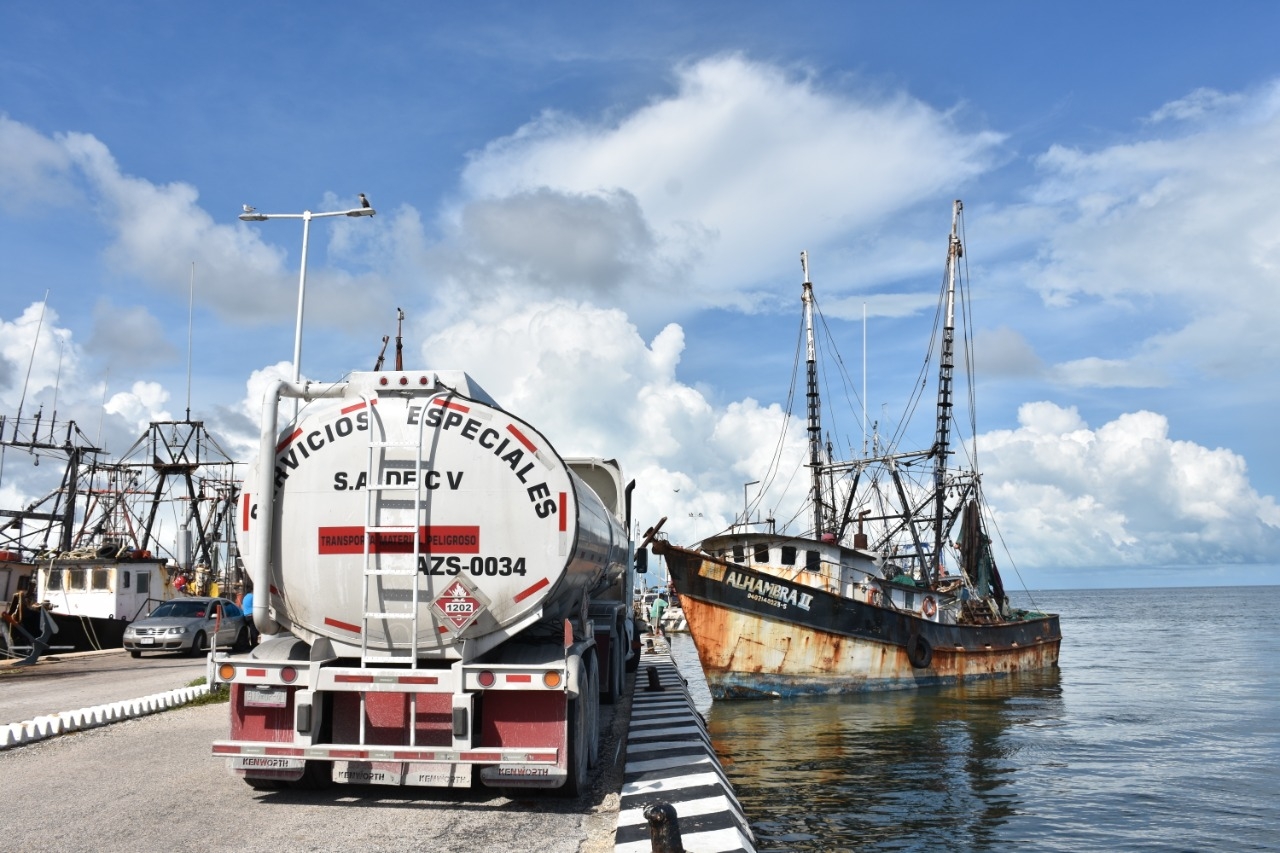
column 442, row 598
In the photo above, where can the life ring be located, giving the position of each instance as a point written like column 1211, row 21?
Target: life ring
column 919, row 652
column 929, row 607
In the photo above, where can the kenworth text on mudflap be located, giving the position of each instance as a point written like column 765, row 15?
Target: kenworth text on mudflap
column 441, row 595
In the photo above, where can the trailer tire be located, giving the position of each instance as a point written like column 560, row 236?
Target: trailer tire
column 633, row 656
column 617, row 663
column 593, row 710
column 316, row 776
column 576, row 736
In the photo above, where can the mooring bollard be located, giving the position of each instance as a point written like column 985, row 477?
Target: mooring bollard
column 664, row 828
column 655, row 686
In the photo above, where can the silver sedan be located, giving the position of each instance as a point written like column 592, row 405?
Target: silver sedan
column 188, row 625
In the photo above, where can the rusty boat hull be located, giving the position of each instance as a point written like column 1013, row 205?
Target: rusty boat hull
column 760, row 634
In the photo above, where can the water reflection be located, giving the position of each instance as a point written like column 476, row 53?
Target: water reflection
column 927, row 769
column 1160, row 731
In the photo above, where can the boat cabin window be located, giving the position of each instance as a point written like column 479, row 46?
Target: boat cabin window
column 125, row 580
column 812, row 561
column 739, row 554
column 101, row 579
column 77, row 579
column 54, row 579
column 762, row 553
column 144, row 583
column 788, row 555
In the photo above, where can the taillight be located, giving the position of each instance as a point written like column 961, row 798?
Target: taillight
column 486, row 678
column 551, row 678
column 226, row 672
column 289, row 675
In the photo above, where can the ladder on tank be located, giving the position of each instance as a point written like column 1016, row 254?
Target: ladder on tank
column 382, row 562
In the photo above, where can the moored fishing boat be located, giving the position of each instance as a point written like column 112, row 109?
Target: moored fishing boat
column 82, row 562
column 863, row 600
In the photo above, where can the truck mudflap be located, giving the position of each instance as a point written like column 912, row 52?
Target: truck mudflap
column 364, row 765
column 411, row 773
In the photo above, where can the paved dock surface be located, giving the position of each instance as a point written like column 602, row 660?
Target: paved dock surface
column 654, row 748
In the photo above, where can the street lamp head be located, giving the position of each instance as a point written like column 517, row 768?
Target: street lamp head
column 360, row 211
column 253, row 217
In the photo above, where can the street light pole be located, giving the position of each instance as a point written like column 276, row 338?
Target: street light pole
column 251, row 215
column 302, row 298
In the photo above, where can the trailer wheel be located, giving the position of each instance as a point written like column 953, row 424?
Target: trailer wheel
column 576, row 736
column 316, row 776
column 593, row 710
column 633, row 658
column 617, row 663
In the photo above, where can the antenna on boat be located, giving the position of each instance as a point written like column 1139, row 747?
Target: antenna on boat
column 864, row 379
column 17, row 421
column 57, row 386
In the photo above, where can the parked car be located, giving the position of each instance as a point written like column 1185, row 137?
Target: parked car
column 187, row 625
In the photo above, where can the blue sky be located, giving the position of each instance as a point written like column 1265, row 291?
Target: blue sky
column 598, row 213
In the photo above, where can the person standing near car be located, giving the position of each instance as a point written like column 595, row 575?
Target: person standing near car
column 247, row 607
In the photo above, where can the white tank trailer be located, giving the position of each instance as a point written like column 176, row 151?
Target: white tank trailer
column 441, row 595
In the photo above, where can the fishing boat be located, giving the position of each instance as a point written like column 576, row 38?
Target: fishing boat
column 85, row 560
column 893, row 586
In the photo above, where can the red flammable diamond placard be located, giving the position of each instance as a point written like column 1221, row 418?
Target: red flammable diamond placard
column 458, row 605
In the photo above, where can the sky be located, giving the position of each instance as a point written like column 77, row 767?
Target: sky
column 597, row 211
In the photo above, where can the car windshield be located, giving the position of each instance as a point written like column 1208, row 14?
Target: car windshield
column 181, row 609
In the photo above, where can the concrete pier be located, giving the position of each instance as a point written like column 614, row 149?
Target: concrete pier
column 669, row 759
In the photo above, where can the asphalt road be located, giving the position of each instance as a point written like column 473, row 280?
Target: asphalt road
column 150, row 784
column 70, row 682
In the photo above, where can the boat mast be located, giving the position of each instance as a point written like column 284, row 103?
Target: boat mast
column 941, row 445
column 815, row 405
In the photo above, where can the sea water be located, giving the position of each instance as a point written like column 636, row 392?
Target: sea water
column 1160, row 730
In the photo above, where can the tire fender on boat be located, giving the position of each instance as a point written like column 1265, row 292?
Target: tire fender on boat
column 919, row 652
column 929, row 607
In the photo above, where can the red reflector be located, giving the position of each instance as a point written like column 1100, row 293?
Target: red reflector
column 382, row 380
column 519, row 679
column 348, row 753
column 260, row 673
column 404, row 380
column 480, row 756
column 225, row 750
column 418, row 679
column 353, row 679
